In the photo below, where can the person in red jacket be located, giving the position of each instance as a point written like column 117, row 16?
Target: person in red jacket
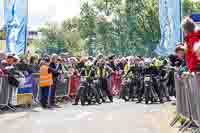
column 192, row 37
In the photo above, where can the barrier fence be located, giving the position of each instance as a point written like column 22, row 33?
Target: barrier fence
column 6, row 93
column 188, row 99
column 11, row 96
column 28, row 92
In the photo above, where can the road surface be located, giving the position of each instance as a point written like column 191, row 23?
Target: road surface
column 117, row 117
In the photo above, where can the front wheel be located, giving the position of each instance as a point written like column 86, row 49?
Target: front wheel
column 82, row 101
column 152, row 100
column 83, row 95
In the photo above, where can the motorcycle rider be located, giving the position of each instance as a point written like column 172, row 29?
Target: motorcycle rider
column 103, row 71
column 150, row 71
column 128, row 81
column 158, row 71
column 137, row 75
column 87, row 74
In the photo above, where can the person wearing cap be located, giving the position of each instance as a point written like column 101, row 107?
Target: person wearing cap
column 45, row 82
column 10, row 70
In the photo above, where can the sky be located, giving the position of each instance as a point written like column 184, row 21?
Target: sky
column 52, row 10
column 196, row 0
column 41, row 11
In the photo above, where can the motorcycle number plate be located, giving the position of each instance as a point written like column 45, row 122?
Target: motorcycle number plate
column 147, row 79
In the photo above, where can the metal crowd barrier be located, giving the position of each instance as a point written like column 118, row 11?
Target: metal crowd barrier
column 188, row 100
column 6, row 94
column 36, row 92
column 61, row 89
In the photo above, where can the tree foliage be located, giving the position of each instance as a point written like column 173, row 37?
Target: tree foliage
column 190, row 6
column 122, row 27
column 59, row 38
column 134, row 27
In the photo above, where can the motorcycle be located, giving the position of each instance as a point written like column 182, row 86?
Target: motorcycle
column 88, row 92
column 124, row 92
column 148, row 89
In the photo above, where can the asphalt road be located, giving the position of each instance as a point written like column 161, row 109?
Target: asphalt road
column 117, row 117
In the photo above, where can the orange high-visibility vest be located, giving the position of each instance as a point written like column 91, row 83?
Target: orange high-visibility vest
column 46, row 79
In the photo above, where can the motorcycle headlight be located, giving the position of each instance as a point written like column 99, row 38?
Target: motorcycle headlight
column 147, row 78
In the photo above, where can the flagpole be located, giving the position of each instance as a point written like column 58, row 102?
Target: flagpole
column 26, row 35
column 181, row 15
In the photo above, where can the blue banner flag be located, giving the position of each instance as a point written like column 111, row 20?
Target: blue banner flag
column 1, row 14
column 196, row 17
column 16, row 15
column 169, row 17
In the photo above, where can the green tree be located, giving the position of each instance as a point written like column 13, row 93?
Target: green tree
column 87, row 20
column 87, row 25
column 190, row 6
column 61, row 38
column 70, row 32
column 143, row 24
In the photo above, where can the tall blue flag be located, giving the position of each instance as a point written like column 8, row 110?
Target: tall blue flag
column 16, row 15
column 169, row 17
column 1, row 14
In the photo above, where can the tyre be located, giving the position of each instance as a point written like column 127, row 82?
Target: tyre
column 83, row 95
column 82, row 100
column 97, row 99
column 152, row 100
column 89, row 102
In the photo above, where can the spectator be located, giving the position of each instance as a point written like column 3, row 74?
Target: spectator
column 54, row 68
column 192, row 36
column 45, row 82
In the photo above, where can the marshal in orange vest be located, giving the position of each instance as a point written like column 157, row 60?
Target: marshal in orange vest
column 46, row 79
